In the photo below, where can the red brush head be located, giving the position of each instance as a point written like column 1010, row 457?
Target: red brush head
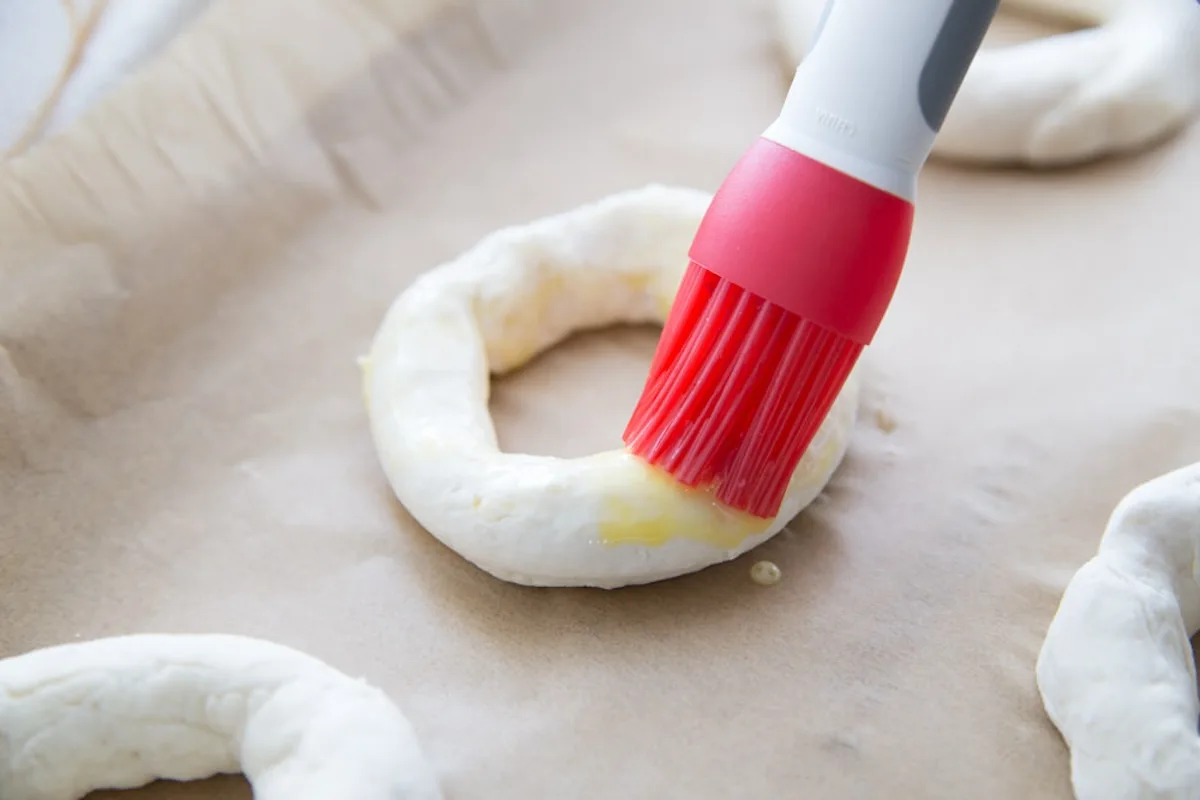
column 792, row 270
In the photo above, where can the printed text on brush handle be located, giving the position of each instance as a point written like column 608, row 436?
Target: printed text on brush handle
column 877, row 83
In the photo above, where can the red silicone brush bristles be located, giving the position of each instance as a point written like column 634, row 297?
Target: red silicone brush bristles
column 792, row 269
column 736, row 393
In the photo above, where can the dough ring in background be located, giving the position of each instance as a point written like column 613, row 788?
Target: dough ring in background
column 122, row 712
column 1116, row 671
column 1127, row 81
column 609, row 519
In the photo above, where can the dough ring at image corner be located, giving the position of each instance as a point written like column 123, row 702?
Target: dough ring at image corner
column 1128, row 80
column 123, row 712
column 606, row 520
column 1116, row 671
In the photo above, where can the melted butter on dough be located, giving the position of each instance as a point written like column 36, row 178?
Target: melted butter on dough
column 605, row 520
column 671, row 513
column 680, row 513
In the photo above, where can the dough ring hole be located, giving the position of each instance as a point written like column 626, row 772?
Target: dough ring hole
column 593, row 375
column 605, row 519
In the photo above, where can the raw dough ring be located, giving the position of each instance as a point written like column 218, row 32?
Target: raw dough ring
column 1116, row 671
column 122, row 712
column 1120, row 86
column 606, row 520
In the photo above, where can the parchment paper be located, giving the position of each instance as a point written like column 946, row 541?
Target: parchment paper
column 188, row 274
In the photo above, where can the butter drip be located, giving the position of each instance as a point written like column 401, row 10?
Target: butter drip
column 766, row 573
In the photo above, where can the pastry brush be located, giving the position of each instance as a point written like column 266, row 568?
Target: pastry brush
column 797, row 257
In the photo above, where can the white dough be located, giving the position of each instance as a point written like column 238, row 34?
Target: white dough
column 606, row 520
column 1116, row 671
column 122, row 712
column 1122, row 85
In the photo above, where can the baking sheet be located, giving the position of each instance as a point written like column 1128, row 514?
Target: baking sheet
column 188, row 274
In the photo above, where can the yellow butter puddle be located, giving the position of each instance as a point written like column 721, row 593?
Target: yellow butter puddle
column 667, row 510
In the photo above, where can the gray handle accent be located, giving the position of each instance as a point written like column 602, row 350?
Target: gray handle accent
column 951, row 55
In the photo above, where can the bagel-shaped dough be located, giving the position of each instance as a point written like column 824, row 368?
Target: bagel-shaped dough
column 122, row 712
column 609, row 519
column 1116, row 671
column 1128, row 82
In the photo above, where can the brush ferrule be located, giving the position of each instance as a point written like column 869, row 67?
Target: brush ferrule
column 806, row 237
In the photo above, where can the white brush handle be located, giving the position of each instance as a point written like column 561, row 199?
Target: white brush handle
column 874, row 89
